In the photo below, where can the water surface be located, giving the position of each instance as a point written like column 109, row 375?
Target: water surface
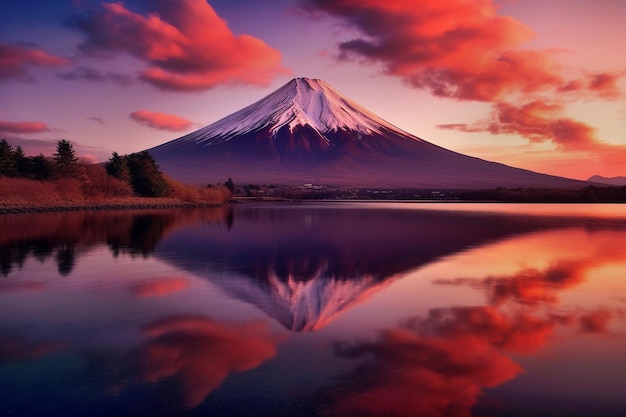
column 324, row 309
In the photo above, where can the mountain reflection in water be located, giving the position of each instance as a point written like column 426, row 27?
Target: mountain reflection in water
column 336, row 309
column 305, row 266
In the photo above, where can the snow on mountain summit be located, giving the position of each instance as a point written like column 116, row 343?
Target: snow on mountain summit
column 300, row 102
column 307, row 132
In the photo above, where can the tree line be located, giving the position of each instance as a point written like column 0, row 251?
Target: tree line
column 139, row 169
column 14, row 163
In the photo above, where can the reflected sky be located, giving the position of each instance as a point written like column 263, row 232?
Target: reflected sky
column 315, row 309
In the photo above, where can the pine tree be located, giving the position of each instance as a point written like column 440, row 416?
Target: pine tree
column 7, row 159
column 42, row 167
column 145, row 177
column 118, row 167
column 65, row 158
column 22, row 163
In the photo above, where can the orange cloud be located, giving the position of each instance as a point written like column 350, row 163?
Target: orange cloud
column 14, row 61
column 601, row 84
column 23, row 127
column 200, row 353
column 460, row 49
column 159, row 287
column 187, row 46
column 540, row 121
column 160, row 121
column 465, row 50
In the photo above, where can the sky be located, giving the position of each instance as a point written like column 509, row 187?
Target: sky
column 530, row 83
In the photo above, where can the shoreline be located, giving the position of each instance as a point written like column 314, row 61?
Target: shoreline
column 169, row 203
column 134, row 204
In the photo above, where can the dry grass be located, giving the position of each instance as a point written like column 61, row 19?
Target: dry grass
column 98, row 183
column 196, row 194
column 92, row 187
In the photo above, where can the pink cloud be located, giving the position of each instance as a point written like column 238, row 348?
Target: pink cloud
column 14, row 61
column 461, row 49
column 160, row 121
column 185, row 44
column 23, row 127
column 88, row 159
column 458, row 49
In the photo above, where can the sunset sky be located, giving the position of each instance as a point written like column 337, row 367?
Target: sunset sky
column 531, row 83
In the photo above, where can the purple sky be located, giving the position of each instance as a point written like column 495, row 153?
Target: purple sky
column 530, row 83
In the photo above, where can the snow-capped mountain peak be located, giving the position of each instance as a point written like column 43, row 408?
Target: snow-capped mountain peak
column 300, row 102
column 307, row 132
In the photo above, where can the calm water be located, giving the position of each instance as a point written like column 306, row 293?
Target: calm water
column 329, row 309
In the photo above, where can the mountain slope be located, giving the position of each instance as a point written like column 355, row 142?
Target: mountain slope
column 618, row 181
column 307, row 132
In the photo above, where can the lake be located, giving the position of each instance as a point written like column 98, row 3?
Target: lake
column 315, row 309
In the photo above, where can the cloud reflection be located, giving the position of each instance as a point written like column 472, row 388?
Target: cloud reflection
column 159, row 286
column 14, row 347
column 200, row 353
column 439, row 365
column 595, row 321
column 550, row 264
column 529, row 286
column 8, row 287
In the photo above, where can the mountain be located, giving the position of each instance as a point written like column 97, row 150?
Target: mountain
column 619, row 181
column 308, row 132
